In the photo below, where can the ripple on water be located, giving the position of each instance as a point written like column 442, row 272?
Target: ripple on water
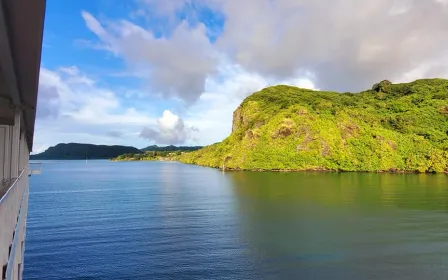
column 156, row 220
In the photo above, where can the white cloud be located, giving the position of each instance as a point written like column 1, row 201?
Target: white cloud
column 429, row 69
column 279, row 39
column 348, row 45
column 171, row 129
column 72, row 108
column 175, row 67
column 72, row 70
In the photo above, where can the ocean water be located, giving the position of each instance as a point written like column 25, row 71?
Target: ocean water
column 166, row 220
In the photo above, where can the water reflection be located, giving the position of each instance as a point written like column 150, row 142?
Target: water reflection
column 339, row 225
column 414, row 191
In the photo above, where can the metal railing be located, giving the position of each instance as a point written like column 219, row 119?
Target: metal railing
column 13, row 212
column 35, row 168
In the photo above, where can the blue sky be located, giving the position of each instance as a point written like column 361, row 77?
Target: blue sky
column 143, row 72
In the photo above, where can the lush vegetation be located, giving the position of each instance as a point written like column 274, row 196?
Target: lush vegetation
column 391, row 127
column 148, row 155
column 83, row 151
column 157, row 153
column 172, row 148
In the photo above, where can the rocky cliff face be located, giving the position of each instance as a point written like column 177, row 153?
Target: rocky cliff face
column 237, row 119
column 392, row 127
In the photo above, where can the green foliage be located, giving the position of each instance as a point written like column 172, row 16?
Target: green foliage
column 382, row 86
column 150, row 155
column 172, row 148
column 83, row 151
column 393, row 127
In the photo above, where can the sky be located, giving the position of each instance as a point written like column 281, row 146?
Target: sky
column 144, row 72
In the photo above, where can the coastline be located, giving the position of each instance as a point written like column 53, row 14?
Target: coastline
column 314, row 170
column 133, row 159
column 279, row 170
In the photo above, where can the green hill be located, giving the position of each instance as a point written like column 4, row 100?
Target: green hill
column 392, row 127
column 157, row 153
column 83, row 151
column 171, row 148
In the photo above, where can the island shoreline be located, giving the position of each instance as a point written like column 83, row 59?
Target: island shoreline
column 311, row 170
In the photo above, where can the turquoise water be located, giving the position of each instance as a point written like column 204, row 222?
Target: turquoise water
column 165, row 220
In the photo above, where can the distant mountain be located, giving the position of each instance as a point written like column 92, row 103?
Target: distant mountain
column 83, row 151
column 156, row 148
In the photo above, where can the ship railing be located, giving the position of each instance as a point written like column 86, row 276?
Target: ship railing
column 13, row 212
column 35, row 168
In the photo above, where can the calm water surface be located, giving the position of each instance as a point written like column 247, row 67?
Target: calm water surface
column 165, row 220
